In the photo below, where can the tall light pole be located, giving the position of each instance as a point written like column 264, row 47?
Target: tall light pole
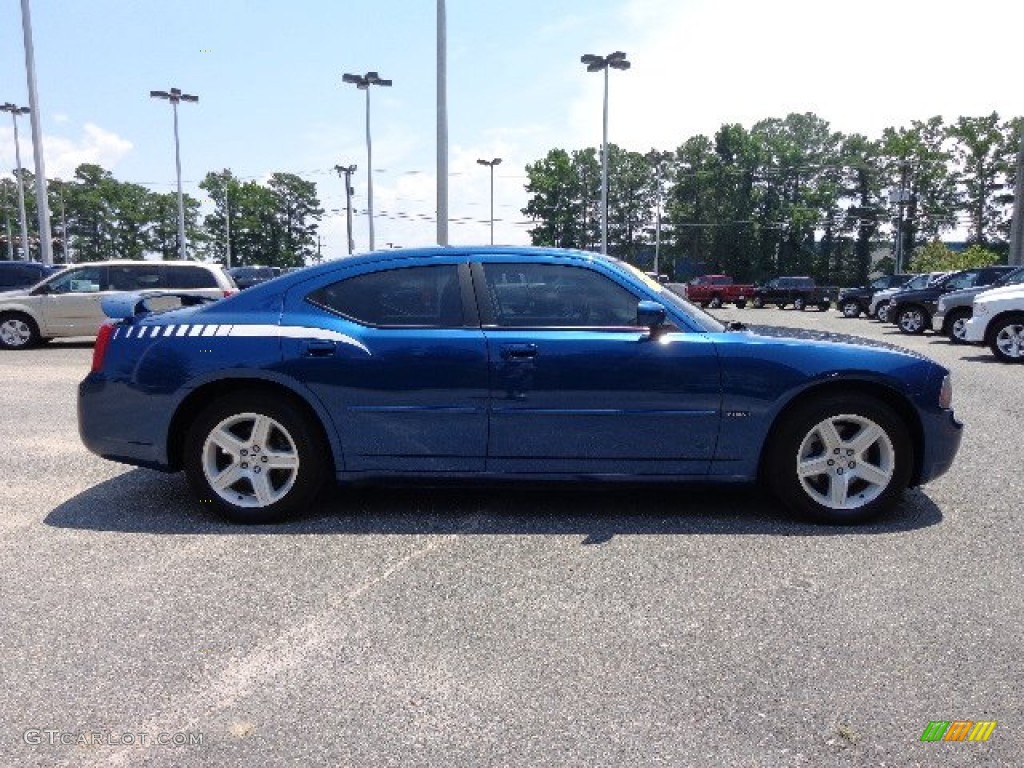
column 491, row 164
column 42, row 204
column 595, row 63
column 174, row 96
column 442, row 123
column 22, row 218
column 363, row 83
column 347, row 171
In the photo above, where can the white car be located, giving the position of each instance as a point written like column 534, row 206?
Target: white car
column 998, row 320
column 68, row 303
column 880, row 300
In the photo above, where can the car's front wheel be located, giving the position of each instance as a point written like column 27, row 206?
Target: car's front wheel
column 882, row 312
column 799, row 303
column 1008, row 339
column 956, row 325
column 758, row 302
column 18, row 331
column 741, row 303
column 840, row 460
column 257, row 458
column 716, row 302
column 912, row 320
column 850, row 309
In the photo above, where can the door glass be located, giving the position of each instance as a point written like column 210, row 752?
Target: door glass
column 556, row 296
column 82, row 280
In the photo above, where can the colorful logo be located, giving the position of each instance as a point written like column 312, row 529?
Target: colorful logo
column 958, row 730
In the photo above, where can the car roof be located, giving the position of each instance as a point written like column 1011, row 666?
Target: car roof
column 143, row 263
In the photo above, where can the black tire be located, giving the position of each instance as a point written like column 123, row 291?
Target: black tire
column 824, row 305
column 1006, row 339
column 18, row 331
column 741, row 303
column 780, row 304
column 882, row 311
column 800, row 303
column 912, row 320
column 955, row 325
column 716, row 302
column 861, row 483
column 850, row 308
column 290, row 438
column 757, row 302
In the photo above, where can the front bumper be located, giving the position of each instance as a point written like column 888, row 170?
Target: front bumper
column 974, row 331
column 942, row 436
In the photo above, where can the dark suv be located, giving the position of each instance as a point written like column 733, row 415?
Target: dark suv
column 912, row 311
column 22, row 274
column 853, row 301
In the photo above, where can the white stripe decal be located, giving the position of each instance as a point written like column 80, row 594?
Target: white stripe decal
column 247, row 331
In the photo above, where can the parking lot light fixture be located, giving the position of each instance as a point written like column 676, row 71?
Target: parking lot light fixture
column 174, row 96
column 594, row 63
column 363, row 83
column 491, row 164
column 22, row 218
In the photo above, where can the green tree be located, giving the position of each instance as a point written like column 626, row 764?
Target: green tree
column 978, row 149
column 936, row 257
column 297, row 211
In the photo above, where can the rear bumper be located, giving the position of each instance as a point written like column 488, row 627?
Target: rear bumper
column 106, row 431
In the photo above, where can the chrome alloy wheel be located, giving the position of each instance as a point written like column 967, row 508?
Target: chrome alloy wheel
column 911, row 320
column 250, row 460
column 1010, row 341
column 846, row 462
column 15, row 332
column 958, row 329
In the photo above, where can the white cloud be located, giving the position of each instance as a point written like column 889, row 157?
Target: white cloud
column 64, row 154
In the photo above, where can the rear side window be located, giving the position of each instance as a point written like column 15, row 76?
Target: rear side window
column 188, row 277
column 419, row 297
column 135, row 278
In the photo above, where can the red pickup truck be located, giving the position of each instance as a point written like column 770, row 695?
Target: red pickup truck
column 716, row 290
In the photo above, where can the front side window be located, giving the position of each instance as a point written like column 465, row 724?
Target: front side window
column 420, row 297
column 556, row 296
column 82, row 280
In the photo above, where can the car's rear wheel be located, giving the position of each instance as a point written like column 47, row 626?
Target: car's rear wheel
column 882, row 312
column 956, row 325
column 255, row 457
column 18, row 331
column 1008, row 339
column 716, row 302
column 741, row 303
column 911, row 320
column 757, row 302
column 850, row 309
column 824, row 305
column 840, row 460
column 800, row 303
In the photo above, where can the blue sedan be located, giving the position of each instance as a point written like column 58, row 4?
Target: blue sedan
column 502, row 362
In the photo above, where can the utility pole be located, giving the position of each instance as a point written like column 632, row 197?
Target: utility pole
column 1017, row 225
column 442, row 123
column 900, row 198
column 347, row 171
column 7, row 222
column 42, row 204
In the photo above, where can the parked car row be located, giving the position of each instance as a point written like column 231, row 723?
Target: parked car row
column 983, row 305
column 715, row 290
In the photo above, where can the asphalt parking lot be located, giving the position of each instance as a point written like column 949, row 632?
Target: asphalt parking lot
column 490, row 626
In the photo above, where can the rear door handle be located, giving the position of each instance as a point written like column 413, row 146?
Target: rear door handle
column 518, row 351
column 319, row 348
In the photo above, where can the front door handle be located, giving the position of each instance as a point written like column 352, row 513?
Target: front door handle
column 319, row 348
column 518, row 351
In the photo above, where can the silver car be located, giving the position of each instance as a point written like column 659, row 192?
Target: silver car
column 68, row 303
column 880, row 300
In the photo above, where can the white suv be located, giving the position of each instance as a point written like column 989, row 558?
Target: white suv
column 997, row 319
column 68, row 303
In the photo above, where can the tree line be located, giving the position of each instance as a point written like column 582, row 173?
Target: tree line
column 786, row 196
column 274, row 224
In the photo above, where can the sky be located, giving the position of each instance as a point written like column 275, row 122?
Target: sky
column 268, row 75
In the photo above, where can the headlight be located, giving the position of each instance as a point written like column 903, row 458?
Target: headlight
column 980, row 308
column 946, row 392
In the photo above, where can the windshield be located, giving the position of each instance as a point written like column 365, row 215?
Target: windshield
column 670, row 298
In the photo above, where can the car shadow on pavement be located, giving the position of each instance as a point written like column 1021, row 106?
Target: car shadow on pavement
column 141, row 501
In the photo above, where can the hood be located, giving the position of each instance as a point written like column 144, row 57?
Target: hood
column 1006, row 292
column 17, row 293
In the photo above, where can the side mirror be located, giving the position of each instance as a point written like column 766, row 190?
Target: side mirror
column 41, row 290
column 651, row 314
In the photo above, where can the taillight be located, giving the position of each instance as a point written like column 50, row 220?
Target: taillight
column 99, row 351
column 229, row 293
